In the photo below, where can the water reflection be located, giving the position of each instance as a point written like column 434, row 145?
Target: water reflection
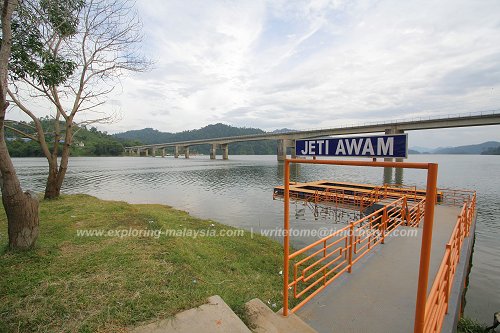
column 398, row 178
column 387, row 175
column 294, row 171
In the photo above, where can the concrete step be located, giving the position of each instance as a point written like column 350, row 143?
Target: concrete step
column 215, row 316
column 263, row 320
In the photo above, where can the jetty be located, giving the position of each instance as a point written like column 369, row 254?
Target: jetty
column 400, row 267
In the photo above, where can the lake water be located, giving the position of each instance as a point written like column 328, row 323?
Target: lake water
column 238, row 192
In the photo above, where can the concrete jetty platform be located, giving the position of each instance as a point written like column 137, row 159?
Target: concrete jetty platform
column 379, row 295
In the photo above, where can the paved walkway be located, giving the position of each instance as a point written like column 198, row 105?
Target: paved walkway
column 380, row 293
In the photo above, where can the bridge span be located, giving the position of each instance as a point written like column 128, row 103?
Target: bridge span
column 287, row 140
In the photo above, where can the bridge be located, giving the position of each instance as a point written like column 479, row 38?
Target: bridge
column 286, row 140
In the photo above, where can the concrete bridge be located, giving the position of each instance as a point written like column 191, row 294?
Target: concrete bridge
column 287, row 140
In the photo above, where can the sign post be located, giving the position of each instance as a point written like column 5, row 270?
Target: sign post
column 387, row 146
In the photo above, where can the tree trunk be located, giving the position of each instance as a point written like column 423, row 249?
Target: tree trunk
column 57, row 174
column 52, row 190
column 54, row 183
column 21, row 208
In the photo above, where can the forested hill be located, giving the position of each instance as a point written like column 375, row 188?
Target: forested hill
column 86, row 141
column 150, row 136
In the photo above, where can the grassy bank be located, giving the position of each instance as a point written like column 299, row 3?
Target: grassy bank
column 86, row 284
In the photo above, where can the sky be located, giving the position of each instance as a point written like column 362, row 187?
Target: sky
column 314, row 64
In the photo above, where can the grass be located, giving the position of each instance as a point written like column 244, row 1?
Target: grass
column 468, row 325
column 107, row 284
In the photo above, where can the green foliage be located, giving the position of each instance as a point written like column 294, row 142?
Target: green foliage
column 32, row 56
column 20, row 148
column 467, row 325
column 86, row 142
column 62, row 15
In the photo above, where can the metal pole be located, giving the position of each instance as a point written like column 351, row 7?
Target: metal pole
column 425, row 249
column 286, row 241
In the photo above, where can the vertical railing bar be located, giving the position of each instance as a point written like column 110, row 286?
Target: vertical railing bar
column 425, row 249
column 286, row 241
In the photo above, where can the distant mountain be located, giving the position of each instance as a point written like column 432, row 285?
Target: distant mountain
column 151, row 136
column 491, row 151
column 420, row 149
column 283, row 130
column 469, row 149
column 412, row 151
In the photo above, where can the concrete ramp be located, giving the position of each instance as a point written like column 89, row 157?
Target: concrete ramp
column 263, row 320
column 215, row 316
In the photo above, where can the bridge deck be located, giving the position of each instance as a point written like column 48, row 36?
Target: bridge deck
column 441, row 121
column 379, row 295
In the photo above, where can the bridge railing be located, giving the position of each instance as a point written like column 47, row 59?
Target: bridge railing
column 413, row 119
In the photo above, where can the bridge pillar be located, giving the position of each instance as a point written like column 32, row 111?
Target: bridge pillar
column 176, row 152
column 163, row 152
column 292, row 145
column 388, row 172
column 186, row 152
column 153, row 152
column 138, row 152
column 146, row 152
column 213, row 151
column 283, row 145
column 225, row 151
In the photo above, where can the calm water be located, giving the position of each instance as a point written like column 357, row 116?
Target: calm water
column 238, row 192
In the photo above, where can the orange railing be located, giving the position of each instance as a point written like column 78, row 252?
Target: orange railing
column 322, row 262
column 330, row 257
column 437, row 302
column 415, row 213
column 455, row 197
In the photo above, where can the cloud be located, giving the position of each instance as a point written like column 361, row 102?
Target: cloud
column 302, row 64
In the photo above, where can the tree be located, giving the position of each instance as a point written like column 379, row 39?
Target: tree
column 21, row 208
column 80, row 51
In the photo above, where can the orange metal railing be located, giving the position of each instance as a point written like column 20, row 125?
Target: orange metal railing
column 322, row 262
column 415, row 213
column 436, row 307
column 455, row 197
column 338, row 253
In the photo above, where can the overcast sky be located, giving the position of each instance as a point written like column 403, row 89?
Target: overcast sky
column 311, row 64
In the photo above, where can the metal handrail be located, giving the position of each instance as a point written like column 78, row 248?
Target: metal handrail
column 338, row 252
column 436, row 307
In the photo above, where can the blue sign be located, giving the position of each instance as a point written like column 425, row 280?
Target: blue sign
column 361, row 146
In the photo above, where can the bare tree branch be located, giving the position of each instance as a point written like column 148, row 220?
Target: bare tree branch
column 23, row 134
column 36, row 121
